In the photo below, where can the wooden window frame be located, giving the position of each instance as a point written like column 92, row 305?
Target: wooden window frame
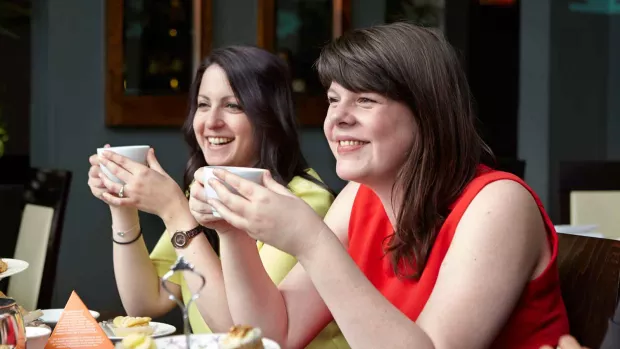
column 156, row 111
column 311, row 109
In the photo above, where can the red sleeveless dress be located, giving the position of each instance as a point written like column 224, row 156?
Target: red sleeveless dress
column 539, row 317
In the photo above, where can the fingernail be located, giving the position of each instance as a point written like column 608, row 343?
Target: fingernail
column 218, row 172
column 212, row 181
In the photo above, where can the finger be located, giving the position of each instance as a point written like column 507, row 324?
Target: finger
column 234, row 202
column 197, row 192
column 94, row 160
column 94, row 171
column 546, row 347
column 271, row 184
column 116, row 201
column 112, row 187
column 229, row 216
column 198, row 176
column 106, row 146
column 96, row 183
column 246, row 188
column 568, row 342
column 200, row 207
column 122, row 161
column 151, row 160
column 116, row 170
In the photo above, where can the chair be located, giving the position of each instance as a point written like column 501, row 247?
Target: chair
column 589, row 193
column 590, row 280
column 38, row 241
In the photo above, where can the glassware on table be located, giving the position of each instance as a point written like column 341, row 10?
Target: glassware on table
column 12, row 328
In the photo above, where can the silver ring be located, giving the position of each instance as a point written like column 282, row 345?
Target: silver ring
column 121, row 193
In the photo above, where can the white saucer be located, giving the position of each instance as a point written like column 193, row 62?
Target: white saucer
column 202, row 341
column 51, row 316
column 15, row 266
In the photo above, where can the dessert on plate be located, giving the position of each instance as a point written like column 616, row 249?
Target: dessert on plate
column 137, row 341
column 3, row 266
column 242, row 337
column 126, row 325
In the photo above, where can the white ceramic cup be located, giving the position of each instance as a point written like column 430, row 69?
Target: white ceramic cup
column 252, row 174
column 36, row 337
column 136, row 153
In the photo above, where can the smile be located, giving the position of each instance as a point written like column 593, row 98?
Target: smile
column 219, row 140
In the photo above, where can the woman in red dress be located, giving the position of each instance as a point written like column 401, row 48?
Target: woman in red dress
column 426, row 247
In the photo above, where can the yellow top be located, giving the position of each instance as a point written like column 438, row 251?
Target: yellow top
column 276, row 263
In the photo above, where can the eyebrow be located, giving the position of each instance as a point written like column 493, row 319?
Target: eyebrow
column 225, row 97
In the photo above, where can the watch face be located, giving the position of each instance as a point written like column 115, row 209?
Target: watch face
column 179, row 239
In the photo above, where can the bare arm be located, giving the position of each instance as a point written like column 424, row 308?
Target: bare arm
column 136, row 277
column 487, row 246
column 137, row 280
column 254, row 299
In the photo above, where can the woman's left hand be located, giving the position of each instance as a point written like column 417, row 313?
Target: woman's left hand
column 269, row 213
column 147, row 188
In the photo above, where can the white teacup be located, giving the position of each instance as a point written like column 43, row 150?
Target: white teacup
column 36, row 337
column 136, row 153
column 252, row 174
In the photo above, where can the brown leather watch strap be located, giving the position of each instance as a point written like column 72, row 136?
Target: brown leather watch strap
column 180, row 239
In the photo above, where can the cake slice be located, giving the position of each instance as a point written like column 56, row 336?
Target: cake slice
column 126, row 325
column 242, row 337
column 137, row 341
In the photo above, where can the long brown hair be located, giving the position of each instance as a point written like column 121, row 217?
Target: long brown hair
column 418, row 67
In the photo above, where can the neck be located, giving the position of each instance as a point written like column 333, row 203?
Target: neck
column 390, row 200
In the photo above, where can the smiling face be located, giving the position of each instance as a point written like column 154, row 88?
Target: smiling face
column 222, row 129
column 369, row 134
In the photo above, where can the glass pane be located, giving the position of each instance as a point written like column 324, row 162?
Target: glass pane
column 303, row 28
column 157, row 44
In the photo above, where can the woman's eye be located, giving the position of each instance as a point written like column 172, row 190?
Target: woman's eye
column 331, row 100
column 365, row 100
column 202, row 105
column 233, row 106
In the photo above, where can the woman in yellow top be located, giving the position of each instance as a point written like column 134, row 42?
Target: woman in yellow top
column 241, row 114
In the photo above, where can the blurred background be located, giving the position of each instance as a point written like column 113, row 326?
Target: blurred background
column 76, row 74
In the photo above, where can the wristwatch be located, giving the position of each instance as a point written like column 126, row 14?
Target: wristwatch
column 180, row 239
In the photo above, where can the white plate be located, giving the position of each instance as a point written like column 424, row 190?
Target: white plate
column 202, row 341
column 15, row 266
column 51, row 316
column 159, row 330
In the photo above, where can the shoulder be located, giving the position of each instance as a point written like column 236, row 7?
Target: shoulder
column 504, row 216
column 338, row 216
column 312, row 193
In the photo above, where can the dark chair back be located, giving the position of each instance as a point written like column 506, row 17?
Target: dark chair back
column 46, row 188
column 590, row 280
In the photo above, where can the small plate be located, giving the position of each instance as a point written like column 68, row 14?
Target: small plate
column 51, row 316
column 159, row 330
column 15, row 266
column 202, row 341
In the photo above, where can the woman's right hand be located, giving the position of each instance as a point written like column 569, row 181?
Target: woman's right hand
column 201, row 210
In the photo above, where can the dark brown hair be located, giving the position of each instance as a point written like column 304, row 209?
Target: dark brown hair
column 261, row 83
column 418, row 67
